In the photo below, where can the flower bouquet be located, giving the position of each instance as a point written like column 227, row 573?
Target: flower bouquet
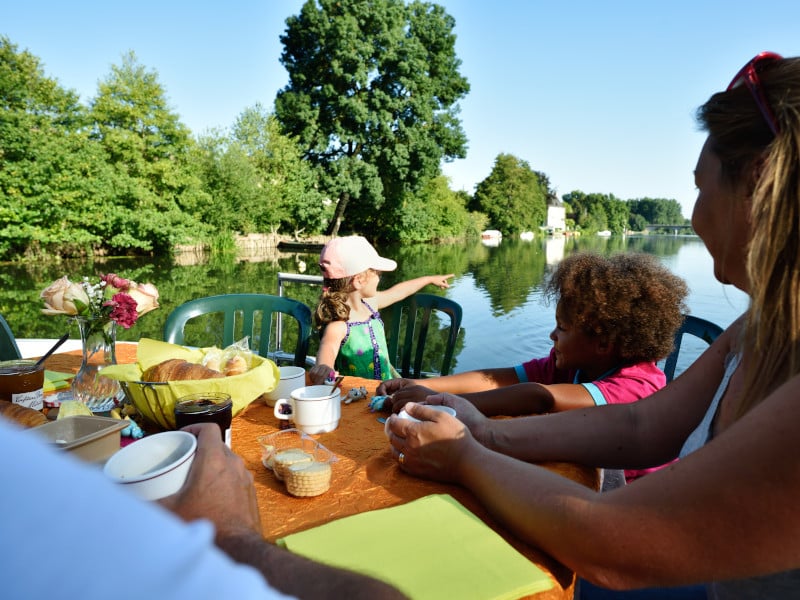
column 98, row 307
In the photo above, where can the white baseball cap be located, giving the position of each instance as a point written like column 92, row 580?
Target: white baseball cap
column 350, row 255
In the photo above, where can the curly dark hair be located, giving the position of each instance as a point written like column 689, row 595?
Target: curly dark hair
column 332, row 304
column 631, row 300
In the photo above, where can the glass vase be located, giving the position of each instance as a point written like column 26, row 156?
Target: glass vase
column 98, row 340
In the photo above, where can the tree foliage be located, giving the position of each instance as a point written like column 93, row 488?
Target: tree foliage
column 291, row 200
column 257, row 179
column 598, row 212
column 658, row 211
column 513, row 196
column 436, row 213
column 156, row 189
column 372, row 99
column 47, row 164
column 369, row 114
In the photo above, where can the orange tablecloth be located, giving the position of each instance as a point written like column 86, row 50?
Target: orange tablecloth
column 365, row 477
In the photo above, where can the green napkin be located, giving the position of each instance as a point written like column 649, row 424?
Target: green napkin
column 429, row 548
column 54, row 381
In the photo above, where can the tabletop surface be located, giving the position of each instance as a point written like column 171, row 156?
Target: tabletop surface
column 365, row 475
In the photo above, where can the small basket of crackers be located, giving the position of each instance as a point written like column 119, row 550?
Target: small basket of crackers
column 303, row 464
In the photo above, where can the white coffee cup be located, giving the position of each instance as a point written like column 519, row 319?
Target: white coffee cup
column 312, row 409
column 291, row 379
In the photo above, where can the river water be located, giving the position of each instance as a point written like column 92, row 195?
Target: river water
column 506, row 319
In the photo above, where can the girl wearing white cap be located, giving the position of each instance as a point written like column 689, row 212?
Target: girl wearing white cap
column 353, row 339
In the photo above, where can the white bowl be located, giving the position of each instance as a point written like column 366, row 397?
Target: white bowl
column 155, row 466
column 445, row 409
column 404, row 415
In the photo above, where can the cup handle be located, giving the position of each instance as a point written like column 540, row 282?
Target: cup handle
column 277, row 409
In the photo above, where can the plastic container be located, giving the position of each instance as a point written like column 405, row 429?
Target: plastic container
column 92, row 439
column 292, row 439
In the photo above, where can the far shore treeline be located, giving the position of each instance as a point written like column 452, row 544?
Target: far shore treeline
column 353, row 143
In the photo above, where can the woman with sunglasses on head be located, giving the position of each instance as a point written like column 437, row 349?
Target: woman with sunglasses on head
column 726, row 513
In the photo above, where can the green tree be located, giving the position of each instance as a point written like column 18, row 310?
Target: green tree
column 658, row 211
column 436, row 213
column 617, row 213
column 372, row 99
column 597, row 212
column 231, row 180
column 290, row 199
column 155, row 188
column 50, row 172
column 637, row 222
column 513, row 196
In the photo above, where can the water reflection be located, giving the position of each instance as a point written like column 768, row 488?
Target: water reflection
column 554, row 249
column 506, row 319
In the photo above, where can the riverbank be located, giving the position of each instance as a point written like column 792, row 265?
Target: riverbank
column 254, row 247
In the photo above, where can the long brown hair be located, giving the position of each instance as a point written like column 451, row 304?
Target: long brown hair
column 332, row 304
column 770, row 165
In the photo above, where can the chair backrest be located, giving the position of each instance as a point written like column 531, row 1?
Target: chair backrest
column 250, row 306
column 8, row 343
column 700, row 328
column 416, row 312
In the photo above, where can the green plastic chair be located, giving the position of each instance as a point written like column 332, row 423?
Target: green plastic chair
column 421, row 307
column 8, row 343
column 705, row 330
column 240, row 314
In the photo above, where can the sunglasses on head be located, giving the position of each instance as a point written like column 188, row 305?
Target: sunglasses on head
column 748, row 75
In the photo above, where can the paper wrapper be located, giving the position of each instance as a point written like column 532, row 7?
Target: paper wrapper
column 156, row 401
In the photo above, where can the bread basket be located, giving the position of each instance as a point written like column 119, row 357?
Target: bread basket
column 156, row 400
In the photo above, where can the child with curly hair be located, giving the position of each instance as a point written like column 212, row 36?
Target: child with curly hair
column 347, row 314
column 615, row 317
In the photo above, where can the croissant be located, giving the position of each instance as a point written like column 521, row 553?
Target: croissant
column 176, row 369
column 27, row 417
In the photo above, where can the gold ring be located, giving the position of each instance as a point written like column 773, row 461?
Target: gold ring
column 401, row 458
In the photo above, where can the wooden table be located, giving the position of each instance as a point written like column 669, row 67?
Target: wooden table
column 365, row 476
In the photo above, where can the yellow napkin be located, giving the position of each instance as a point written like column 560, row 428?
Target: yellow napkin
column 150, row 352
column 54, row 381
column 429, row 548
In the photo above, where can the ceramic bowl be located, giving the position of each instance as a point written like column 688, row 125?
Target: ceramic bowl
column 404, row 415
column 445, row 409
column 155, row 466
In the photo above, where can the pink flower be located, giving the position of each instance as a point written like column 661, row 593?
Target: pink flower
column 116, row 281
column 123, row 310
column 108, row 297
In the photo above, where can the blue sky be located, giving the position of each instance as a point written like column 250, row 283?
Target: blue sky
column 599, row 96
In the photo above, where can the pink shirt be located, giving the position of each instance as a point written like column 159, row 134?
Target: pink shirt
column 619, row 386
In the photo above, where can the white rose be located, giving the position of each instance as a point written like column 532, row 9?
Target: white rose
column 146, row 296
column 63, row 297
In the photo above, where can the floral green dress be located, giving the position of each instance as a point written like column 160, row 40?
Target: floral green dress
column 364, row 352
